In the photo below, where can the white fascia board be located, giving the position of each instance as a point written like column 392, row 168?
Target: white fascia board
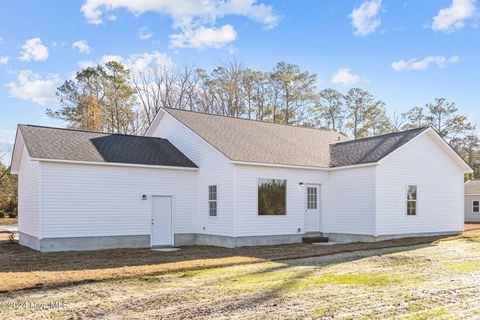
column 115, row 164
column 260, row 164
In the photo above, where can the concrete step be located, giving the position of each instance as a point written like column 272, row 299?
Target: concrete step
column 314, row 238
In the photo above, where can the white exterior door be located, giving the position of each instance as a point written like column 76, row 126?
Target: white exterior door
column 312, row 208
column 161, row 234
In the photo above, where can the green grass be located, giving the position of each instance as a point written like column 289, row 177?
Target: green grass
column 360, row 279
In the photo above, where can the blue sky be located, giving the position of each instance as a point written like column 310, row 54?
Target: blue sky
column 405, row 52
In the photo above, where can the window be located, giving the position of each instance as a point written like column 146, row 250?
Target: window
column 412, row 200
column 272, row 197
column 476, row 206
column 212, row 201
column 312, row 198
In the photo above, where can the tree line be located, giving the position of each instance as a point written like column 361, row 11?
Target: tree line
column 111, row 98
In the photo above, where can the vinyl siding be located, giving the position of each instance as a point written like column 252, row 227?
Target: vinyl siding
column 424, row 163
column 469, row 215
column 247, row 220
column 92, row 200
column 29, row 196
column 352, row 197
column 214, row 169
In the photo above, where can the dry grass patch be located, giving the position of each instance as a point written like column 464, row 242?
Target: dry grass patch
column 9, row 221
column 373, row 284
column 22, row 268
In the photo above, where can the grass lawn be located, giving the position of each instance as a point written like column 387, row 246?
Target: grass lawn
column 437, row 279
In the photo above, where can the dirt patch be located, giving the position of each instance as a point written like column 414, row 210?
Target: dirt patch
column 9, row 221
column 22, row 268
column 371, row 284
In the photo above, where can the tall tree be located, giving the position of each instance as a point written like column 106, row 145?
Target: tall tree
column 444, row 117
column 100, row 98
column 329, row 110
column 414, row 118
column 363, row 110
column 8, row 190
column 296, row 92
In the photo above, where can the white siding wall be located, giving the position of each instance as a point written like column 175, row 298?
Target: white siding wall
column 214, row 169
column 424, row 163
column 469, row 215
column 247, row 220
column 29, row 196
column 97, row 200
column 352, row 197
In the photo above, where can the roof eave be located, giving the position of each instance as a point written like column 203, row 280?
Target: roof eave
column 118, row 164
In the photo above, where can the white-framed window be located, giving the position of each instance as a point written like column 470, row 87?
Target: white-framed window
column 212, row 201
column 272, row 197
column 412, row 200
column 476, row 206
column 312, row 198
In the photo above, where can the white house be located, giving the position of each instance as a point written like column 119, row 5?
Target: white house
column 206, row 179
column 472, row 201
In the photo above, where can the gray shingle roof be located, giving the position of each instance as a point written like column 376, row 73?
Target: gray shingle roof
column 472, row 187
column 65, row 144
column 369, row 150
column 261, row 142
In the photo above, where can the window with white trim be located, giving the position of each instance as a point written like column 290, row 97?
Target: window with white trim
column 476, row 206
column 212, row 201
column 411, row 200
column 272, row 197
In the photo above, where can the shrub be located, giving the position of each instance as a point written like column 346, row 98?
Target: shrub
column 2, row 214
column 12, row 214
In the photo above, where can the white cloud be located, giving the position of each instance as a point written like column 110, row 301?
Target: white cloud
column 453, row 17
column 422, row 65
column 344, row 76
column 111, row 57
column 141, row 62
column 144, row 33
column 33, row 49
column 4, row 59
column 82, row 46
column 84, row 64
column 365, row 19
column 33, row 87
column 193, row 18
column 202, row 37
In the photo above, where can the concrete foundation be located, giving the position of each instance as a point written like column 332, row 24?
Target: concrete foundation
column 29, row 241
column 190, row 239
column 346, row 238
column 84, row 243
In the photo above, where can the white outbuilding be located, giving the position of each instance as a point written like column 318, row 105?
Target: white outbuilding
column 472, row 201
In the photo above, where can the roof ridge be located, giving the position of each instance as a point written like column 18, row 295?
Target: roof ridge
column 87, row 131
column 255, row 120
column 381, row 135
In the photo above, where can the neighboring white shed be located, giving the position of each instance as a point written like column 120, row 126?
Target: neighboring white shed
column 472, row 201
